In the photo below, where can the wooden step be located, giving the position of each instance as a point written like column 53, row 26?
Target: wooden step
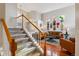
column 21, row 39
column 15, row 29
column 19, row 35
column 25, row 46
column 21, row 46
column 25, row 51
column 17, row 32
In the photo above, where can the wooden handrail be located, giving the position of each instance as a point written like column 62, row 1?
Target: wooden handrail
column 18, row 16
column 32, row 23
column 10, row 39
column 39, row 31
column 35, row 27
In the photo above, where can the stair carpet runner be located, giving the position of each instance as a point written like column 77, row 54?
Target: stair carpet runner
column 25, row 46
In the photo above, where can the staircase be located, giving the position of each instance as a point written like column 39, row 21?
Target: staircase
column 25, row 47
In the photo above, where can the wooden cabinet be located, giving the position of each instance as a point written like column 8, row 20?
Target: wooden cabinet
column 68, row 46
column 54, row 34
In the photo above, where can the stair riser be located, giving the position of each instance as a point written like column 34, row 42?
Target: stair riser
column 15, row 29
column 26, row 52
column 12, row 33
column 17, row 41
column 22, row 41
column 20, row 36
column 22, row 47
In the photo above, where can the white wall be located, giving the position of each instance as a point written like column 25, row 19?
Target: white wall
column 3, row 39
column 2, row 15
column 7, row 11
column 2, row 10
column 34, row 17
column 11, row 11
column 77, row 29
column 68, row 12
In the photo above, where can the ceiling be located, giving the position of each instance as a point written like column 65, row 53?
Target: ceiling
column 42, row 7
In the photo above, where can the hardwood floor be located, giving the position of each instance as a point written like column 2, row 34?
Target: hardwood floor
column 53, row 50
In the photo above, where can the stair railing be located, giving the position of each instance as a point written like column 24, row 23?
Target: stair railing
column 12, row 44
column 23, row 16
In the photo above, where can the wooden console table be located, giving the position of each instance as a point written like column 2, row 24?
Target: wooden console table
column 54, row 34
